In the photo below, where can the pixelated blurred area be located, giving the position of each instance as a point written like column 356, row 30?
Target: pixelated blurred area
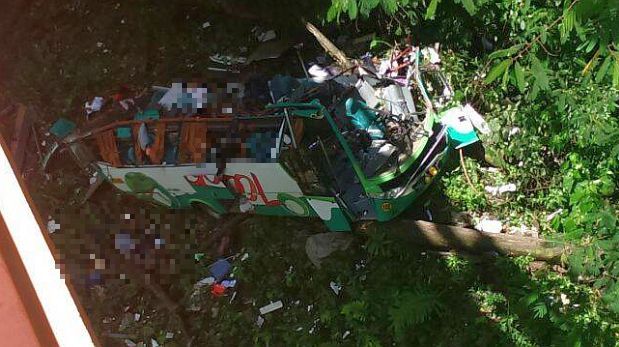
column 133, row 264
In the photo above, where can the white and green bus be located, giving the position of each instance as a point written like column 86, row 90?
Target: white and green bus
column 323, row 149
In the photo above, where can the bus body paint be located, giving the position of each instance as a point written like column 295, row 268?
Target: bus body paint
column 267, row 186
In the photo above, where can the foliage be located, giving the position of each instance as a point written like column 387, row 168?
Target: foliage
column 546, row 75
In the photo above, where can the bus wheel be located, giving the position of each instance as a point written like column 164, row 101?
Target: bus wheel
column 204, row 209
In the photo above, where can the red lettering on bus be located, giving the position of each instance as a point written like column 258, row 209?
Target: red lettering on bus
column 239, row 182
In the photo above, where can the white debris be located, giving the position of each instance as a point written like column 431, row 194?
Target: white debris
column 129, row 343
column 367, row 92
column 207, row 281
column 564, row 299
column 266, row 36
column 136, row 317
column 206, row 25
column 336, row 288
column 478, row 121
column 500, row 190
column 490, row 169
column 154, row 343
column 318, row 71
column 99, row 44
column 259, row 321
column 553, row 215
column 346, row 334
column 489, row 226
column 169, row 335
column 94, row 105
column 524, row 230
column 52, row 226
column 271, row 307
column 245, row 257
column 432, row 55
column 299, row 328
column 228, row 283
column 309, row 307
column 513, row 131
column 227, row 59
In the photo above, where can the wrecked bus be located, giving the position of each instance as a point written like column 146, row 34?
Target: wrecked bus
column 340, row 145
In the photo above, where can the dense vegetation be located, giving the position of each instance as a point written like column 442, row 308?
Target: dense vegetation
column 544, row 73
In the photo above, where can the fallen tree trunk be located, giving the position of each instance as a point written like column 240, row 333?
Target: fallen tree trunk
column 448, row 237
column 329, row 47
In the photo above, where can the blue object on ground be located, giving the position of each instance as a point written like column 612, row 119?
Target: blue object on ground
column 220, row 269
column 62, row 127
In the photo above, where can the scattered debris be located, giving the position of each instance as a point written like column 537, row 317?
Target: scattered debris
column 61, row 128
column 136, row 317
column 227, row 59
column 93, row 106
column 169, row 335
column 564, row 299
column 336, row 288
column 500, row 190
column 266, row 36
column 245, row 257
column 553, row 215
column 490, row 169
column 218, row 289
column 95, row 182
column 228, row 283
column 206, row 281
column 220, row 269
column 321, row 245
column 259, row 321
column 346, row 334
column 524, row 231
column 271, row 307
column 489, row 226
column 52, row 226
column 154, row 343
column 206, row 25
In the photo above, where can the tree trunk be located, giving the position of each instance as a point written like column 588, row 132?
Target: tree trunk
column 329, row 47
column 447, row 237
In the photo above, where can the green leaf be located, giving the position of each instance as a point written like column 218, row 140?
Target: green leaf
column 390, row 6
column 333, row 11
column 469, row 6
column 501, row 53
column 352, row 9
column 505, row 79
column 431, row 9
column 519, row 73
column 539, row 72
column 497, row 70
column 603, row 69
column 540, row 310
column 568, row 24
column 616, row 74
